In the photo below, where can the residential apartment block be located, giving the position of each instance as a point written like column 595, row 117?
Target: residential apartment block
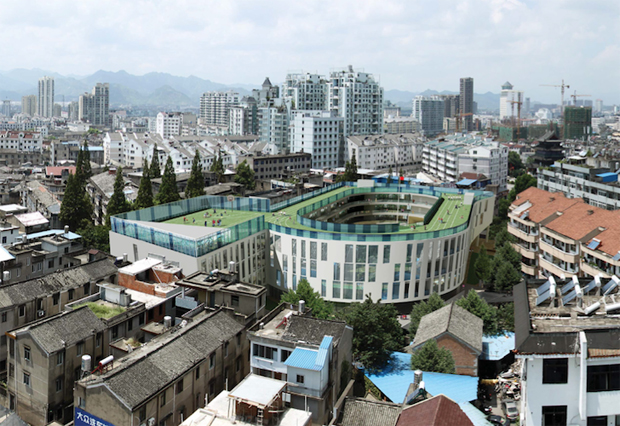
column 169, row 124
column 319, row 133
column 508, row 99
column 559, row 236
column 567, row 335
column 29, row 105
column 94, row 107
column 466, row 101
column 215, row 107
column 306, row 91
column 377, row 152
column 273, row 127
column 244, row 118
column 45, row 100
column 400, row 125
column 279, row 165
column 428, row 111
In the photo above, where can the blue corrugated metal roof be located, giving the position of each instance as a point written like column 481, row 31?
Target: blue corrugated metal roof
column 467, row 182
column 69, row 235
column 321, row 357
column 394, row 381
column 608, row 174
column 477, row 417
column 303, row 358
column 495, row 348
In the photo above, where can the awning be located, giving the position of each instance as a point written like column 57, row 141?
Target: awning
column 467, row 182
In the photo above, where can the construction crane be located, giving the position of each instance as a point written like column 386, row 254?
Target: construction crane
column 458, row 119
column 575, row 96
column 518, row 102
column 562, row 86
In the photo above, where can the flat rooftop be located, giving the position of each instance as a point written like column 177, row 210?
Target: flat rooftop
column 227, row 218
column 207, row 281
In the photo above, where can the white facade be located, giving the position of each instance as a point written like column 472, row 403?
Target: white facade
column 21, row 141
column 306, row 91
column 29, row 105
column 385, row 151
column 273, row 127
column 491, row 160
column 428, row 111
column 507, row 97
column 215, row 107
column 358, row 98
column 94, row 107
column 45, row 104
column 318, row 133
column 169, row 124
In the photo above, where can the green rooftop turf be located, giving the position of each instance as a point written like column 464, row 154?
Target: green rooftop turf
column 229, row 218
column 288, row 216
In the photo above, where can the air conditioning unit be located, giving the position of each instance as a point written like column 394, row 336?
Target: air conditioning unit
column 41, row 313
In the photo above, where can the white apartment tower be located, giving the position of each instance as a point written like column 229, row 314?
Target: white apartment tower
column 94, row 107
column 169, row 124
column 215, row 107
column 306, row 91
column 320, row 134
column 508, row 99
column 429, row 113
column 29, row 105
column 273, row 127
column 45, row 105
column 243, row 119
column 358, row 98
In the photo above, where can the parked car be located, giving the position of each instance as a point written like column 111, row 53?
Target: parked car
column 510, row 409
column 498, row 420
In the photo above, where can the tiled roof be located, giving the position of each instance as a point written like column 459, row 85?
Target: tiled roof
column 312, row 330
column 544, row 204
column 454, row 320
column 363, row 412
column 581, row 219
column 437, row 411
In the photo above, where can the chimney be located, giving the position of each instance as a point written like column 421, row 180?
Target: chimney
column 590, row 212
column 551, row 198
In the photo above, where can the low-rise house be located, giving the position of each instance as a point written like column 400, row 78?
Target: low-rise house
column 29, row 223
column 36, row 197
column 169, row 377
column 223, row 289
column 312, row 355
column 100, row 188
column 457, row 330
column 45, row 359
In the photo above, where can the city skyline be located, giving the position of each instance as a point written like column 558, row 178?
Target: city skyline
column 410, row 46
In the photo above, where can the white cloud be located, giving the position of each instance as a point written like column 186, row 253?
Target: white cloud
column 411, row 44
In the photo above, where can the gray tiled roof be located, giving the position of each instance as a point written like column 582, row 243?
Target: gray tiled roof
column 25, row 291
column 362, row 412
column 312, row 330
column 69, row 327
column 153, row 367
column 452, row 319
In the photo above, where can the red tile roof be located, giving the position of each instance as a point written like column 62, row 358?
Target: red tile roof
column 437, row 411
column 580, row 219
column 544, row 203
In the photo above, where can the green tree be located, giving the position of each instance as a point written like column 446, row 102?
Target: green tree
column 422, row 308
column 96, row 236
column 506, row 317
column 350, row 171
column 83, row 170
column 482, row 266
column 155, row 171
column 432, row 358
column 479, row 307
column 389, row 178
column 376, row 332
column 522, row 183
column 502, row 208
column 506, row 277
column 515, row 165
column 507, row 254
column 118, row 203
column 168, row 191
column 196, row 182
column 320, row 308
column 245, row 175
column 145, row 192
column 217, row 166
column 76, row 209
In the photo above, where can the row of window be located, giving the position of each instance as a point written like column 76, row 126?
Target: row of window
column 600, row 378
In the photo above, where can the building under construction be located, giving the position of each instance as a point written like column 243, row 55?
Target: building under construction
column 577, row 122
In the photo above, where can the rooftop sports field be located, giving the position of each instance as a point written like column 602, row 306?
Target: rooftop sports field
column 451, row 215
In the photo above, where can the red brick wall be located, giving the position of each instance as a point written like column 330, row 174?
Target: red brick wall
column 163, row 276
column 465, row 359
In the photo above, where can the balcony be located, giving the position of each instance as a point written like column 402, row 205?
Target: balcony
column 522, row 234
column 591, row 269
column 526, row 252
column 559, row 253
column 557, row 267
column 529, row 269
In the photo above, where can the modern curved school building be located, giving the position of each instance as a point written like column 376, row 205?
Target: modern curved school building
column 393, row 242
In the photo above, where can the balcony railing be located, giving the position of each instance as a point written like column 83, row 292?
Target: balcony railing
column 563, row 266
column 559, row 248
column 533, row 231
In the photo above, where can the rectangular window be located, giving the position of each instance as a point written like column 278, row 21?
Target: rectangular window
column 264, row 351
column 162, row 399
column 234, row 300
column 347, row 292
column 395, row 291
column 294, row 248
column 300, row 379
column 27, row 353
column 212, row 361
column 58, row 384
column 554, row 415
column 336, row 271
column 360, row 254
column 71, row 294
column 324, row 251
column 197, row 372
column 372, row 273
column 55, row 298
column 409, row 250
column 386, row 254
column 360, row 272
column 60, row 358
column 313, row 268
column 22, row 310
column 348, row 272
column 4, row 316
column 336, row 290
column 80, row 348
column 555, row 370
column 26, row 379
column 303, row 266
column 397, row 272
column 226, row 349
column 323, row 288
column 359, row 291
column 408, row 271
column 130, row 323
column 406, row 295
column 313, row 250
column 285, row 354
column 348, row 253
column 373, row 254
column 602, row 378
column 115, row 332
column 597, row 421
column 179, row 386
column 303, row 248
column 294, row 282
column 384, row 291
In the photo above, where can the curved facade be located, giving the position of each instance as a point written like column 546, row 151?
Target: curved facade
column 338, row 246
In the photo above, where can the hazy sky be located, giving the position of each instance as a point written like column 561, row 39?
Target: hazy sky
column 410, row 44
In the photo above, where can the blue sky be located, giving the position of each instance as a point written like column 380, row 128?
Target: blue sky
column 411, row 44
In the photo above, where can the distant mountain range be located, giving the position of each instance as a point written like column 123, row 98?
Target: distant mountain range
column 157, row 89
column 486, row 101
column 164, row 90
